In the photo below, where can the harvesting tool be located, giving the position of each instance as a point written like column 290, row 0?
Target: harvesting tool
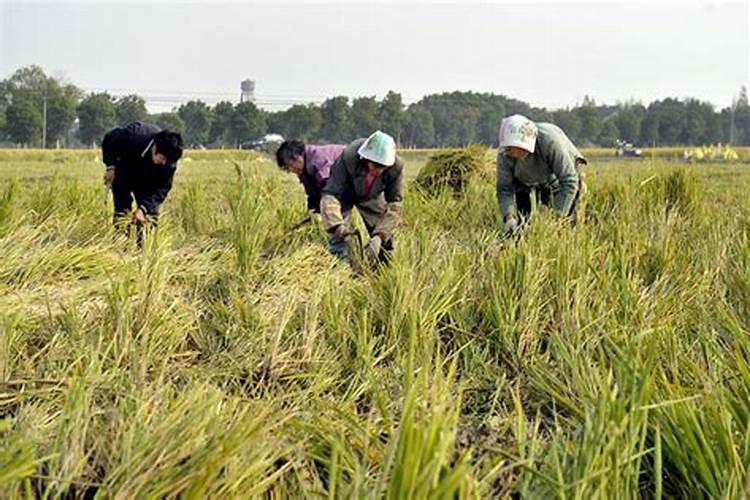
column 301, row 223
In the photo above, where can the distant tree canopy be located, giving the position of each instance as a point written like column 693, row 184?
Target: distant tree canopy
column 130, row 108
column 30, row 101
column 96, row 115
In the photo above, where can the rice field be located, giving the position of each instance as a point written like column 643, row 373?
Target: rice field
column 234, row 358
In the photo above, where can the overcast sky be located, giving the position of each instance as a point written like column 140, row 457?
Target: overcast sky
column 547, row 53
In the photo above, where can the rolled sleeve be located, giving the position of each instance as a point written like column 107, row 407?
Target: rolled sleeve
column 330, row 212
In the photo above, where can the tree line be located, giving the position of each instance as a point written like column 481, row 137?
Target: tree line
column 36, row 110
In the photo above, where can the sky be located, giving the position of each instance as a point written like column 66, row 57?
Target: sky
column 549, row 54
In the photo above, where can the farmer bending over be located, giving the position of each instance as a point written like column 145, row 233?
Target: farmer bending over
column 141, row 160
column 311, row 164
column 368, row 175
column 536, row 156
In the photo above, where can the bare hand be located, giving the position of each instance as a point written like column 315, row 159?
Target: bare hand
column 139, row 217
column 109, row 177
column 372, row 250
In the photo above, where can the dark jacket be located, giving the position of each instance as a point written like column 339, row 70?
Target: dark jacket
column 128, row 149
column 346, row 188
column 347, row 181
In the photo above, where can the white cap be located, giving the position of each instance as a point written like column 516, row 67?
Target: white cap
column 518, row 131
column 379, row 148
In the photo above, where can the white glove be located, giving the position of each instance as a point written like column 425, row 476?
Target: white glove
column 373, row 248
column 510, row 226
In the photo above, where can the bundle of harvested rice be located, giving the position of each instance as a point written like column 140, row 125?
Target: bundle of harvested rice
column 454, row 168
column 298, row 276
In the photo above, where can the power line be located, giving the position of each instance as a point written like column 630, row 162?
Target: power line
column 198, row 93
column 163, row 97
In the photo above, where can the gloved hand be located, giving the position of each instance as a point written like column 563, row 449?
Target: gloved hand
column 339, row 231
column 511, row 226
column 372, row 250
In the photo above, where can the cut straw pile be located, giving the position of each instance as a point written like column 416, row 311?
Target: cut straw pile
column 454, row 168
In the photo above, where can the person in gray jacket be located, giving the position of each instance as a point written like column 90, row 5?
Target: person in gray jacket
column 536, row 157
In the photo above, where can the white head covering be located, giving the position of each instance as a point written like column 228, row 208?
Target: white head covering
column 518, row 131
column 379, row 148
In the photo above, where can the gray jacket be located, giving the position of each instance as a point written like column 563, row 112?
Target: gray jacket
column 554, row 164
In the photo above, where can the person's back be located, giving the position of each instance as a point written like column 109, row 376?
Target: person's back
column 126, row 146
column 538, row 157
column 318, row 162
column 140, row 160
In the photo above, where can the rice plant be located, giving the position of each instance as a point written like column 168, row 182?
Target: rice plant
column 233, row 357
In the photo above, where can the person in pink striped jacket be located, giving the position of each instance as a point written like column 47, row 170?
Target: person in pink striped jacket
column 311, row 164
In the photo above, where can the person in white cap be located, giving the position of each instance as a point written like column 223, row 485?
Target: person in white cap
column 368, row 175
column 538, row 157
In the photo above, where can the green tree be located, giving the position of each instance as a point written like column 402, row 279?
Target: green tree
column 55, row 100
column 609, row 134
column 337, row 126
column 468, row 119
column 672, row 120
column 591, row 124
column 247, row 123
column 5, row 98
column 697, row 121
column 540, row 115
column 130, row 108
column 628, row 121
column 303, row 122
column 444, row 108
column 31, row 79
column 739, row 119
column 24, row 121
column 197, row 118
column 650, row 128
column 364, row 116
column 62, row 101
column 221, row 118
column 490, row 116
column 169, row 120
column 455, row 114
column 96, row 116
column 277, row 122
column 391, row 115
column 569, row 122
column 419, row 129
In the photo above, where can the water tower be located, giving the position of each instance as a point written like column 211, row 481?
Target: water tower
column 247, row 91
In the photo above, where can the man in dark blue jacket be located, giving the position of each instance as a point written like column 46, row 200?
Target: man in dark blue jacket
column 141, row 160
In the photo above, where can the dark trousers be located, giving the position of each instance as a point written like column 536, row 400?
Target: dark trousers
column 340, row 249
column 544, row 196
column 123, row 198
